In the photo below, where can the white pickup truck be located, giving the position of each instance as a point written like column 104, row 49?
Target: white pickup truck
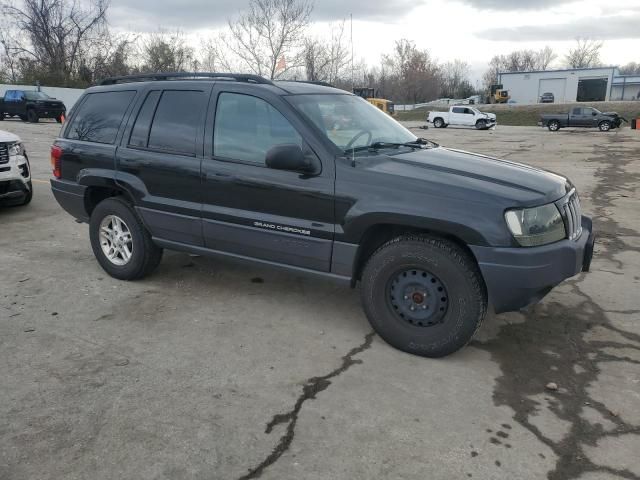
column 462, row 115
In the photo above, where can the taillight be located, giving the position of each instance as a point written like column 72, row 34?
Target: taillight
column 56, row 160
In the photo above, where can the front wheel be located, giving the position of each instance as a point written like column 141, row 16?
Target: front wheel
column 32, row 116
column 423, row 295
column 604, row 126
column 120, row 242
column 481, row 124
column 553, row 125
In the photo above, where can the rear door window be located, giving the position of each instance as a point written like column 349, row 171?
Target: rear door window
column 247, row 127
column 140, row 132
column 99, row 116
column 458, row 110
column 176, row 121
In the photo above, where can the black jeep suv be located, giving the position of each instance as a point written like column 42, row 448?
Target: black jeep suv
column 317, row 180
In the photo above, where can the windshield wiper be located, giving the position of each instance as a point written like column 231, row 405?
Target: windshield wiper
column 417, row 143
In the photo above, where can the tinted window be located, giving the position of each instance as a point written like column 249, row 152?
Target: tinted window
column 13, row 96
column 577, row 111
column 33, row 95
column 458, row 110
column 140, row 132
column 175, row 124
column 100, row 116
column 247, row 127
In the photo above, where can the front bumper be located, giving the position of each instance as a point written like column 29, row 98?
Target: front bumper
column 50, row 112
column 517, row 277
column 14, row 178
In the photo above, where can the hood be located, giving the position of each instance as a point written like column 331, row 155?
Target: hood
column 8, row 137
column 489, row 115
column 610, row 114
column 464, row 175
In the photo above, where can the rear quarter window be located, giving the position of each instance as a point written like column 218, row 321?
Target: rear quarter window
column 99, row 116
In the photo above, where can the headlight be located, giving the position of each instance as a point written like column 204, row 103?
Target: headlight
column 16, row 149
column 536, row 226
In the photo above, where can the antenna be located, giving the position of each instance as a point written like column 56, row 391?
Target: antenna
column 352, row 79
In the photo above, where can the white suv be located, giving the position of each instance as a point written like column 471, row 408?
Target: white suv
column 15, row 171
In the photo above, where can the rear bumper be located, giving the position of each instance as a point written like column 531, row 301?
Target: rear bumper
column 517, row 277
column 71, row 198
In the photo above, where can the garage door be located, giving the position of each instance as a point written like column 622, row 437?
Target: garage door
column 555, row 86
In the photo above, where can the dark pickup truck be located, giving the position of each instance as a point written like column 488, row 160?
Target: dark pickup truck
column 31, row 106
column 315, row 180
column 587, row 117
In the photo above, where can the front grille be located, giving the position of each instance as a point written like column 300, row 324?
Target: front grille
column 572, row 214
column 4, row 153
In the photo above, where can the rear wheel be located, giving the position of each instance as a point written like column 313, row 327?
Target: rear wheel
column 604, row 126
column 438, row 123
column 553, row 125
column 32, row 116
column 423, row 295
column 120, row 242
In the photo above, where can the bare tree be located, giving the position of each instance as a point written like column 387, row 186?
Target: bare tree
column 544, row 57
column 167, row 52
column 455, row 80
column 631, row 68
column 266, row 38
column 326, row 59
column 416, row 77
column 55, row 34
column 585, row 54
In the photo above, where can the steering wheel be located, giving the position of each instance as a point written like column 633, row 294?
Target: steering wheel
column 358, row 135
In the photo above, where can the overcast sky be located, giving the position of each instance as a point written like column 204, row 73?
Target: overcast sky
column 471, row 30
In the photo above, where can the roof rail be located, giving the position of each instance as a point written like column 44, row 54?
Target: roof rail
column 312, row 82
column 148, row 77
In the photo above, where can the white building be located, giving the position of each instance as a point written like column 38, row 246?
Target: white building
column 571, row 85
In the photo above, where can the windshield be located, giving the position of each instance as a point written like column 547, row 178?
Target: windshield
column 36, row 96
column 349, row 121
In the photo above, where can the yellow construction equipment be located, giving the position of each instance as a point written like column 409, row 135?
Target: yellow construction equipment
column 498, row 94
column 369, row 94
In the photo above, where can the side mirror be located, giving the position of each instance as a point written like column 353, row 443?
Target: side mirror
column 594, row 113
column 289, row 157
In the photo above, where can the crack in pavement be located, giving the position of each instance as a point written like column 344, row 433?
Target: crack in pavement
column 550, row 344
column 311, row 388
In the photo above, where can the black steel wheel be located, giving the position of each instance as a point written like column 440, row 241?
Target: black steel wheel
column 418, row 297
column 423, row 295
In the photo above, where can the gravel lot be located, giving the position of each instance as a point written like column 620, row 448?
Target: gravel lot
column 212, row 370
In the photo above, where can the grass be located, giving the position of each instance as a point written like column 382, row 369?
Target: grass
column 523, row 115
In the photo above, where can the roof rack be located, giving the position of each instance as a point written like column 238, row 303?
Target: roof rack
column 312, row 82
column 147, row 77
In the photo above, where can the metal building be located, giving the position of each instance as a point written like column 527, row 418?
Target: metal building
column 571, row 85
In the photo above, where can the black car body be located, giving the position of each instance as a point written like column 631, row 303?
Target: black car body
column 585, row 117
column 31, row 105
column 547, row 97
column 181, row 155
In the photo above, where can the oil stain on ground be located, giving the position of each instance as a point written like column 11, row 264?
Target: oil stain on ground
column 551, row 342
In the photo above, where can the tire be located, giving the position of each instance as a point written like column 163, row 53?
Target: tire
column 481, row 124
column 604, row 126
column 32, row 116
column 438, row 122
column 449, row 287
column 144, row 257
column 553, row 125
